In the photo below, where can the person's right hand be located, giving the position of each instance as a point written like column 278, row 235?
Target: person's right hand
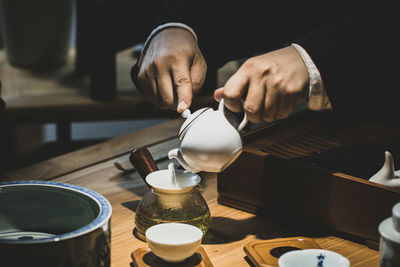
column 172, row 69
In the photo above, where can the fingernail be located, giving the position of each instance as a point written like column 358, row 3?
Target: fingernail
column 218, row 93
column 217, row 96
column 181, row 106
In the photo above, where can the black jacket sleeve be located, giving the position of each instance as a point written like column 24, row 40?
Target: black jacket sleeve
column 230, row 30
column 358, row 61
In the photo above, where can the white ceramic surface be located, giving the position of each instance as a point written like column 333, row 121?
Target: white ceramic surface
column 313, row 258
column 209, row 141
column 183, row 181
column 173, row 242
column 387, row 175
column 389, row 247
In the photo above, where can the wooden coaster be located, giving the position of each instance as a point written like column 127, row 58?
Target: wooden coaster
column 143, row 257
column 265, row 253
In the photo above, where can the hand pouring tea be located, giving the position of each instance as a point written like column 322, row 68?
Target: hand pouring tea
column 210, row 140
column 173, row 196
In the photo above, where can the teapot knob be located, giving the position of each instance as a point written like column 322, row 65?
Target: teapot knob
column 186, row 113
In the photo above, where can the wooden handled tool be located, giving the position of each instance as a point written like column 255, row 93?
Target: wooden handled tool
column 143, row 162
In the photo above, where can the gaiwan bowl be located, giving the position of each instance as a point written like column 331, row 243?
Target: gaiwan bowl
column 54, row 224
column 312, row 258
column 173, row 242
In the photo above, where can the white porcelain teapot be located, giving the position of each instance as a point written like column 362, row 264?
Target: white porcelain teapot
column 210, row 140
column 387, row 175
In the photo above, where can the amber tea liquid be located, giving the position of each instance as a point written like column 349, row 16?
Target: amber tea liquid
column 143, row 222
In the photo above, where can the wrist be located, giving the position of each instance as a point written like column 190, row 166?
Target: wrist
column 159, row 29
column 317, row 97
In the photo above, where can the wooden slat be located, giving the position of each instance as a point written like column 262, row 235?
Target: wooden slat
column 86, row 157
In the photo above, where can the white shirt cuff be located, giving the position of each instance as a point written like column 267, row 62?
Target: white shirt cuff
column 158, row 29
column 317, row 98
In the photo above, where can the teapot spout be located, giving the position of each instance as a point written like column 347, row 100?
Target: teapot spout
column 176, row 154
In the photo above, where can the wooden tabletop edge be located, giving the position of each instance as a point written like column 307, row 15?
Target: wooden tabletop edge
column 112, row 148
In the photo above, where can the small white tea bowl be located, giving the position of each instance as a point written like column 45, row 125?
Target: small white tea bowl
column 173, row 242
column 312, row 258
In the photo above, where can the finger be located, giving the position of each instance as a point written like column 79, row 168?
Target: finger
column 218, row 93
column 165, row 93
column 290, row 96
column 234, row 88
column 271, row 104
column 148, row 85
column 182, row 85
column 286, row 106
column 198, row 74
column 254, row 103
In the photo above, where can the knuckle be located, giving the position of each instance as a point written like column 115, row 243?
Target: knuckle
column 186, row 50
column 295, row 88
column 249, row 64
column 231, row 96
column 181, row 81
column 197, row 85
column 291, row 89
column 157, row 62
column 251, row 109
column 276, row 81
column 171, row 56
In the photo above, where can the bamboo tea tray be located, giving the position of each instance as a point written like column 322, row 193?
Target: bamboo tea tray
column 143, row 257
column 265, row 253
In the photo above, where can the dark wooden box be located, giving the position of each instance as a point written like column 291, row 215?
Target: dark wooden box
column 314, row 167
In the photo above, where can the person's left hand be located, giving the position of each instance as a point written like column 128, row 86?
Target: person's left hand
column 272, row 83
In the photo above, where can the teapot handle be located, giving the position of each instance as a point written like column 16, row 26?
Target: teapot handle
column 242, row 124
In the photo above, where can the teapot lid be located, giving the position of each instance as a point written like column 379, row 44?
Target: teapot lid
column 389, row 228
column 190, row 117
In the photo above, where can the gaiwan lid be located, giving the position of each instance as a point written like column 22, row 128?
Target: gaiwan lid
column 190, row 118
column 390, row 227
column 173, row 181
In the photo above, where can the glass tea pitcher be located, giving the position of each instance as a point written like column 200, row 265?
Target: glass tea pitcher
column 173, row 196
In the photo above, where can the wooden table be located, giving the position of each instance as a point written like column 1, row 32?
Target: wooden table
column 231, row 229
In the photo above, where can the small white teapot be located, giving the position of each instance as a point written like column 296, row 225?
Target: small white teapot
column 210, row 140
